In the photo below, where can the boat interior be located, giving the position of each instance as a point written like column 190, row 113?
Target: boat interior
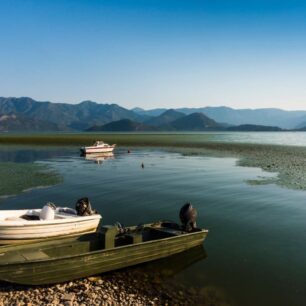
column 108, row 237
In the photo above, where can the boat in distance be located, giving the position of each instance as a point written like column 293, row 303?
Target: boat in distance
column 98, row 147
column 19, row 226
column 110, row 248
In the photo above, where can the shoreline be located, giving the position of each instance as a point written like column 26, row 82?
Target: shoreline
column 130, row 286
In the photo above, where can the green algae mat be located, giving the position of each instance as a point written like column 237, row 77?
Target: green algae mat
column 18, row 177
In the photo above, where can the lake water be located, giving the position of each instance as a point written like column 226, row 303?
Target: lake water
column 256, row 251
column 275, row 138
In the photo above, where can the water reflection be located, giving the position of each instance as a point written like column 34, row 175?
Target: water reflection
column 99, row 158
column 29, row 155
column 168, row 267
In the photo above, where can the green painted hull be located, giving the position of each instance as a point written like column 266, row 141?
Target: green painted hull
column 72, row 258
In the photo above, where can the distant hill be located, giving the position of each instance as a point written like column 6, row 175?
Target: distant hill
column 302, row 124
column 195, row 122
column 254, row 128
column 67, row 116
column 165, row 118
column 192, row 122
column 124, row 125
column 152, row 113
column 263, row 116
column 18, row 123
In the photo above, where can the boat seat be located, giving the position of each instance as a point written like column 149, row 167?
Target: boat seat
column 34, row 255
column 135, row 237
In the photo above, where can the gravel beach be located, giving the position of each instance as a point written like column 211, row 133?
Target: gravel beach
column 126, row 287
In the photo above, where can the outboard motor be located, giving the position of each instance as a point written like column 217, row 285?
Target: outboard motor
column 188, row 216
column 83, row 207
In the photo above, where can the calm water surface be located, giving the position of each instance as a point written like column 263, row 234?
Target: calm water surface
column 256, row 251
column 276, row 138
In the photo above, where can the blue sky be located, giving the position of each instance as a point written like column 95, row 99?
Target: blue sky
column 167, row 53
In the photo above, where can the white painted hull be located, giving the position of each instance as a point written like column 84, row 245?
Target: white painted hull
column 93, row 150
column 14, row 228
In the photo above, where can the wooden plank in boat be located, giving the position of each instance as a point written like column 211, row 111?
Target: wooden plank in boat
column 37, row 255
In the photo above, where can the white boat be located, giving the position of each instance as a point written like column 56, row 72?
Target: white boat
column 98, row 147
column 17, row 226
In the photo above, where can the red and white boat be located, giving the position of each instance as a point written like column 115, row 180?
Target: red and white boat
column 98, row 147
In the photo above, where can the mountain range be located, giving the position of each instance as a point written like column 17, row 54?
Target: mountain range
column 263, row 116
column 26, row 114
column 66, row 116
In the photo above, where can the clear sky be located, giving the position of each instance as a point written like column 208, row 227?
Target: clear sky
column 166, row 53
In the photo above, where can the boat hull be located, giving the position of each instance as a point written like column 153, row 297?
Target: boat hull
column 23, row 230
column 94, row 150
column 49, row 271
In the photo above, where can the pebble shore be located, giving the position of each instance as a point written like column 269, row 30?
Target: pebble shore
column 117, row 288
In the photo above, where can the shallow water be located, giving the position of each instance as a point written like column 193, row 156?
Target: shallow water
column 256, row 252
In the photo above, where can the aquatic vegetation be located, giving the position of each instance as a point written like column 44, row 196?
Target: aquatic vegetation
column 262, row 181
column 288, row 162
column 18, row 177
column 122, row 139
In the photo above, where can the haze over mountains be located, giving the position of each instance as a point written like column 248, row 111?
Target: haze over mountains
column 26, row 114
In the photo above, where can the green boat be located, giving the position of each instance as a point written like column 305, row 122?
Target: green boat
column 111, row 248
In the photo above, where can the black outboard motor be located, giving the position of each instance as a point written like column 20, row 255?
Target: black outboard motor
column 83, row 207
column 188, row 216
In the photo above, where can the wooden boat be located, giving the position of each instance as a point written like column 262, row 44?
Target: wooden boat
column 65, row 259
column 98, row 147
column 18, row 226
